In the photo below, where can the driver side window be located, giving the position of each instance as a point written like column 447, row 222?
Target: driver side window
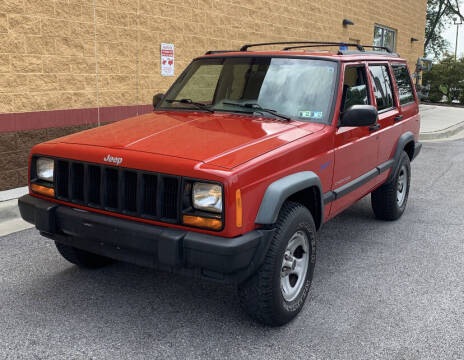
column 355, row 90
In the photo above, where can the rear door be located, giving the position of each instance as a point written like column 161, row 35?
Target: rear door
column 407, row 98
column 389, row 114
column 355, row 147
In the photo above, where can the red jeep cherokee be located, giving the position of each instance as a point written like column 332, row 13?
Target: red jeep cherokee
column 241, row 162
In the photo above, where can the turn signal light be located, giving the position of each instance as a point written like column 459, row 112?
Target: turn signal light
column 43, row 190
column 238, row 209
column 203, row 222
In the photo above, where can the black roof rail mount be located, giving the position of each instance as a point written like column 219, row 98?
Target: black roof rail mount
column 211, row 52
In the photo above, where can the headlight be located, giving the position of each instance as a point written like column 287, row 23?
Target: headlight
column 207, row 197
column 44, row 168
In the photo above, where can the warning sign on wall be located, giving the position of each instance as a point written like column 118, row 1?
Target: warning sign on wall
column 167, row 59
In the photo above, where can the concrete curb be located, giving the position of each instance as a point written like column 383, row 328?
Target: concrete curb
column 10, row 218
column 444, row 133
column 13, row 193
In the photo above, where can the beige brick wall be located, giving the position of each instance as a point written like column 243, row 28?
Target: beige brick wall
column 47, row 47
column 15, row 148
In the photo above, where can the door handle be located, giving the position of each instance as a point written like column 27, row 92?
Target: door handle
column 398, row 118
column 374, row 127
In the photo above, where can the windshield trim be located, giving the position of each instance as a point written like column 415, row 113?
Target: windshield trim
column 202, row 58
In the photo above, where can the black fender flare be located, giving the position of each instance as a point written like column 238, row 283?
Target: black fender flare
column 404, row 139
column 280, row 190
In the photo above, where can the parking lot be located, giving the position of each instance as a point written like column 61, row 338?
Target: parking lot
column 381, row 290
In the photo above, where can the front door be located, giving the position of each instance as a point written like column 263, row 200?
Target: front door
column 356, row 148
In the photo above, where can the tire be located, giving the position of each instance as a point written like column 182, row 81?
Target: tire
column 82, row 258
column 270, row 297
column 388, row 202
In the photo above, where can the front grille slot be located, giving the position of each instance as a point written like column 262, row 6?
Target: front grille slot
column 94, row 185
column 77, row 176
column 62, row 179
column 169, row 201
column 150, row 196
column 112, row 188
column 130, row 191
column 133, row 192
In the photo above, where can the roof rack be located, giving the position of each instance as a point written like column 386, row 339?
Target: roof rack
column 386, row 48
column 367, row 52
column 323, row 43
column 306, row 44
column 359, row 47
column 348, row 52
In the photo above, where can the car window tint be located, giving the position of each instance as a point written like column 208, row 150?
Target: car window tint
column 203, row 84
column 354, row 87
column 382, row 86
column 302, row 89
column 403, row 81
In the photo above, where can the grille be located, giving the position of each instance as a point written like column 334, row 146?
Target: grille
column 132, row 192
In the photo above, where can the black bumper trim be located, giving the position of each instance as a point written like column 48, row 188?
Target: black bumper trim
column 188, row 252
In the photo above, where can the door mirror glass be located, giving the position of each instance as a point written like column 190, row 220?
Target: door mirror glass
column 157, row 99
column 359, row 115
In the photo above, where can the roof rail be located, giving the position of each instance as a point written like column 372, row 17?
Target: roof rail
column 350, row 52
column 326, row 43
column 211, row 52
column 367, row 52
column 305, row 44
column 321, row 44
column 386, row 48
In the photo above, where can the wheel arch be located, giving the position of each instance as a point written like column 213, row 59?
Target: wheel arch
column 409, row 148
column 406, row 143
column 302, row 187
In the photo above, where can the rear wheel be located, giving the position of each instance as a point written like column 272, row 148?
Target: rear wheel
column 276, row 293
column 82, row 258
column 389, row 201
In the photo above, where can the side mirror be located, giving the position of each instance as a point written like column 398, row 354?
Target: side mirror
column 359, row 115
column 157, row 99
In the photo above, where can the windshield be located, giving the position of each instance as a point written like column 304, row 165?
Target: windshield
column 301, row 89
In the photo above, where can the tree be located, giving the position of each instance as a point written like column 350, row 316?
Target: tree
column 446, row 80
column 440, row 13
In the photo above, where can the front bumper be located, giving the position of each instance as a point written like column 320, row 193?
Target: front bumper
column 229, row 260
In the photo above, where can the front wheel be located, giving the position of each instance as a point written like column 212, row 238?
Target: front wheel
column 276, row 293
column 389, row 201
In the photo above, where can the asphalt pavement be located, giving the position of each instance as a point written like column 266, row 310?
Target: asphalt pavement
column 382, row 290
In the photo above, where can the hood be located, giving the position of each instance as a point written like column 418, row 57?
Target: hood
column 225, row 140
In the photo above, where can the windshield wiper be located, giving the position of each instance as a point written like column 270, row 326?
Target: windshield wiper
column 190, row 102
column 258, row 108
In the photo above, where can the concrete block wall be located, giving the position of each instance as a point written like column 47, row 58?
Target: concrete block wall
column 76, row 55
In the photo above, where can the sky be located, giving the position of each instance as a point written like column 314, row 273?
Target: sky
column 450, row 35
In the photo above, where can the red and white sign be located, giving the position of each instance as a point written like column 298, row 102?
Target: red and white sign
column 167, row 59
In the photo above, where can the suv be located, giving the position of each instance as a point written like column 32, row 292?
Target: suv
column 235, row 171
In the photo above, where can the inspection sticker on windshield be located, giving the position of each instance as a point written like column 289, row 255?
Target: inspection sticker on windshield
column 310, row 114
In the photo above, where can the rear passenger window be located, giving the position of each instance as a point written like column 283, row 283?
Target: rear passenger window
column 403, row 81
column 382, row 86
